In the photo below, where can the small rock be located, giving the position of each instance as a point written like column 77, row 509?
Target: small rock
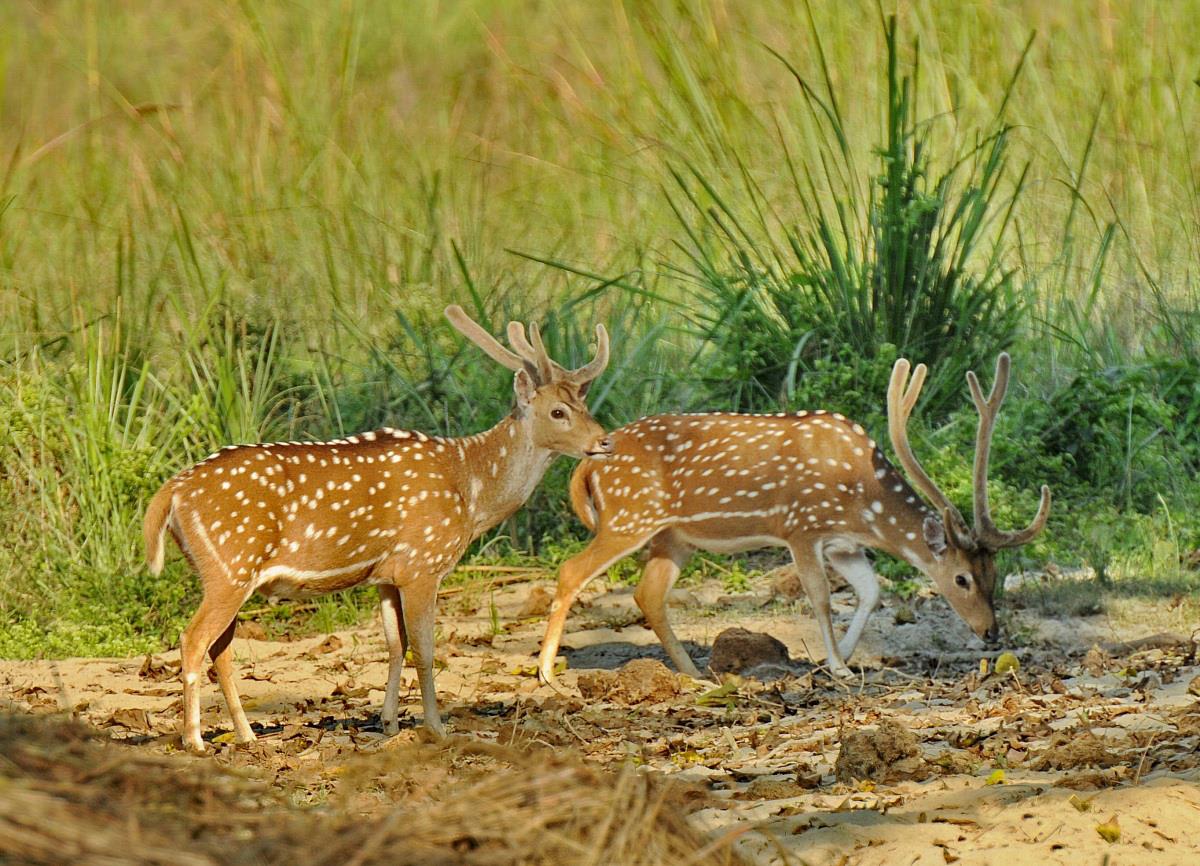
column 887, row 754
column 638, row 681
column 537, row 603
column 250, row 629
column 787, row 585
column 737, row 650
column 682, row 598
column 1194, row 686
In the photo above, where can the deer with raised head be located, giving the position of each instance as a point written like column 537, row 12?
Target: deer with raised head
column 390, row 508
column 813, row 482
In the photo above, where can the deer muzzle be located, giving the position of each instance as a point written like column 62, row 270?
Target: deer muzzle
column 601, row 447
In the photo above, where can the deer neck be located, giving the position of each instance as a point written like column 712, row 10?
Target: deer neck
column 896, row 517
column 500, row 469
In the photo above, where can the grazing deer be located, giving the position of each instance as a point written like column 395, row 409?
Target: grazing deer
column 813, row 482
column 390, row 508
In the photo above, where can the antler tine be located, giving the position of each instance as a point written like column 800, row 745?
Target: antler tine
column 557, row 371
column 985, row 528
column 901, row 400
column 593, row 368
column 481, row 338
column 988, row 410
column 534, row 355
column 1030, row 532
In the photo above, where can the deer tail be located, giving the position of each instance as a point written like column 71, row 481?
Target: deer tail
column 581, row 497
column 157, row 515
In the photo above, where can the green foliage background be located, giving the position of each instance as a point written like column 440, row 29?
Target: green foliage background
column 238, row 221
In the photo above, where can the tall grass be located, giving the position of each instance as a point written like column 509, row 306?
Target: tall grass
column 916, row 258
column 231, row 222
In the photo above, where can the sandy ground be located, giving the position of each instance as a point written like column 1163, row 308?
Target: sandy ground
column 1096, row 735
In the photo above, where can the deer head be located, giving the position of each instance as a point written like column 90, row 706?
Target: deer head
column 964, row 564
column 549, row 398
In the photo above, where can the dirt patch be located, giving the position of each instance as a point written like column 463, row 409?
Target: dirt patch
column 750, row 761
column 638, row 681
column 738, row 651
column 887, row 754
column 71, row 795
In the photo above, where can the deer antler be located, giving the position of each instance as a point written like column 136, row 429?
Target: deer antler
column 594, row 367
column 530, row 354
column 900, row 402
column 534, row 352
column 470, row 329
column 985, row 529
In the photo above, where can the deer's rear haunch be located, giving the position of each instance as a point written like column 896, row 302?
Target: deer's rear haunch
column 813, row 482
column 390, row 508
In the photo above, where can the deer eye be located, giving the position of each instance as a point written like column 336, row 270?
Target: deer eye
column 962, row 581
column 558, row 414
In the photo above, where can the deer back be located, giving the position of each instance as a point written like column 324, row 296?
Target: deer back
column 730, row 481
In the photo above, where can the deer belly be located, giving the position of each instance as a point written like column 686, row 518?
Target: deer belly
column 724, row 543
column 313, row 571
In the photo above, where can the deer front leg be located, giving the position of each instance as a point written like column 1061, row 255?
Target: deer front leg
column 418, row 603
column 396, row 636
column 859, row 573
column 816, row 587
column 574, row 574
column 667, row 557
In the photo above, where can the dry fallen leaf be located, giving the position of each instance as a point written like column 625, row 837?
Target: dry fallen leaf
column 1081, row 804
column 1109, row 831
column 996, row 778
column 131, row 718
column 330, row 644
column 721, row 696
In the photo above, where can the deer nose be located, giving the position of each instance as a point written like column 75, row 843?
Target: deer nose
column 603, row 445
column 992, row 635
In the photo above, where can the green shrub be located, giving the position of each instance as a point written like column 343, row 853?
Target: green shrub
column 917, row 266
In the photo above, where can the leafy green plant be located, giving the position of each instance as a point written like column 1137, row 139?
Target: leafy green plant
column 917, row 265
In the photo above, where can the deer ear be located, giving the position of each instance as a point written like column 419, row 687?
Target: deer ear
column 935, row 535
column 583, row 388
column 524, row 387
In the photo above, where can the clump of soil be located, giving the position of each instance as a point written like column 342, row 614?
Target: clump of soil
column 537, row 603
column 638, row 681
column 737, row 651
column 1071, row 751
column 887, row 754
column 771, row 789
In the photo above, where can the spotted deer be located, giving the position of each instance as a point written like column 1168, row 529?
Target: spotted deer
column 813, row 482
column 389, row 508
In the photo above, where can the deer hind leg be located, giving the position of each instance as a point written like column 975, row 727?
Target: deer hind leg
column 812, row 576
column 667, row 557
column 222, row 658
column 397, row 644
column 574, row 574
column 418, row 605
column 212, row 619
column 860, row 574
